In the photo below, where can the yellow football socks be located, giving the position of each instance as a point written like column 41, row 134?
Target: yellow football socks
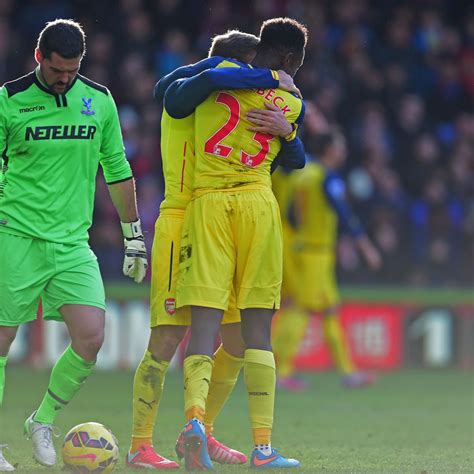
column 147, row 389
column 288, row 334
column 225, row 373
column 197, row 379
column 259, row 375
column 334, row 335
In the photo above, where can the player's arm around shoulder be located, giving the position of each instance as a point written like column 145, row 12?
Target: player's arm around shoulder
column 292, row 105
column 183, row 72
column 283, row 113
column 292, row 152
column 184, row 95
column 296, row 115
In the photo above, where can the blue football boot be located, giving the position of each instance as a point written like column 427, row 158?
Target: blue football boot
column 273, row 461
column 196, row 455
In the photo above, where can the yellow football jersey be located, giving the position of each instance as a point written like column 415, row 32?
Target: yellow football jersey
column 281, row 185
column 227, row 154
column 177, row 154
column 317, row 220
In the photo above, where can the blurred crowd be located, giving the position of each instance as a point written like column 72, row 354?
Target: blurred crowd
column 396, row 76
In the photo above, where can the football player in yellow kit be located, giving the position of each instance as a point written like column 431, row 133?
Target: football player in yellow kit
column 168, row 323
column 318, row 203
column 284, row 341
column 232, row 238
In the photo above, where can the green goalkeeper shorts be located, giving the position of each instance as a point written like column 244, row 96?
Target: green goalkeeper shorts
column 59, row 274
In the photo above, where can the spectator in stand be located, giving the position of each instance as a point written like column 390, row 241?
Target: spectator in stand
column 435, row 221
column 398, row 78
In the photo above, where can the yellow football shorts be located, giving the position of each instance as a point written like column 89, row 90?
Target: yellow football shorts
column 232, row 239
column 164, row 274
column 316, row 288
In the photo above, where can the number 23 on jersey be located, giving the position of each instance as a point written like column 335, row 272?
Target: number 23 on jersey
column 214, row 146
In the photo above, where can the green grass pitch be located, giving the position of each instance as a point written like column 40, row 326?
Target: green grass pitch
column 409, row 422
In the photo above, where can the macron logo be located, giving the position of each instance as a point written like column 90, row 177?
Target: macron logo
column 35, row 108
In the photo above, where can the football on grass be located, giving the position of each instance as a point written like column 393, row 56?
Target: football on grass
column 90, row 447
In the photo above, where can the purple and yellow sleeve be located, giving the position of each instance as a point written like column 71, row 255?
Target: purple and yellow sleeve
column 182, row 72
column 183, row 96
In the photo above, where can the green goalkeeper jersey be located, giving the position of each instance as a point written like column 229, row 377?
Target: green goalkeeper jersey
column 51, row 148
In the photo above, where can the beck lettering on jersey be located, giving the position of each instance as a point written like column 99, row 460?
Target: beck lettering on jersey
column 272, row 96
column 61, row 132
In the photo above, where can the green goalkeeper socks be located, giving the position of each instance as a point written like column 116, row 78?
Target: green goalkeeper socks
column 3, row 363
column 67, row 377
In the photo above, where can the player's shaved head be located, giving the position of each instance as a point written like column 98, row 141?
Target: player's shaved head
column 283, row 33
column 64, row 37
column 235, row 44
column 282, row 44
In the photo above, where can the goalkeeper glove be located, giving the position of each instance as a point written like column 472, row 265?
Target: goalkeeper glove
column 135, row 262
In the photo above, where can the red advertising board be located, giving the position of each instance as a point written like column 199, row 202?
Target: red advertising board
column 374, row 333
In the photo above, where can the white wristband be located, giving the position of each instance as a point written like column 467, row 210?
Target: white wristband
column 132, row 230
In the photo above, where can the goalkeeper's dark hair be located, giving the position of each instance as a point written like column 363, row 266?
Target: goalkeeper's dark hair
column 283, row 35
column 234, row 44
column 63, row 37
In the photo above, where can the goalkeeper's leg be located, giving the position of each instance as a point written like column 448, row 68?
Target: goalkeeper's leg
column 86, row 330
column 7, row 336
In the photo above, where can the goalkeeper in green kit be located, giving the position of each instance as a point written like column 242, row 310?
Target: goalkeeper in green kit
column 56, row 127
